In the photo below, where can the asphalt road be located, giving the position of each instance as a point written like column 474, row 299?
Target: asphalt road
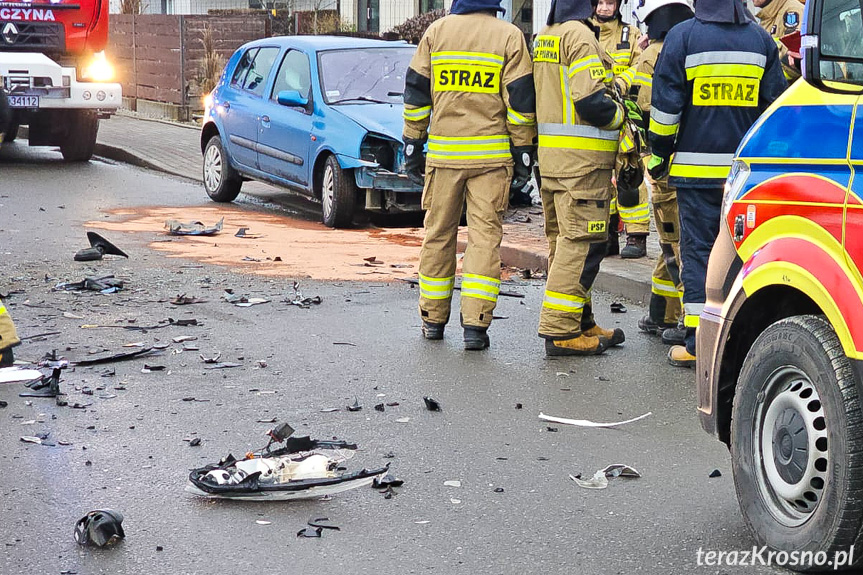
column 128, row 452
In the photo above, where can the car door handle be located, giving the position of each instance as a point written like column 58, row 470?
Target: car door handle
column 265, row 121
column 226, row 105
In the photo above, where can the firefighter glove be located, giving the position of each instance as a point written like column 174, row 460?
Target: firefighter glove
column 658, row 167
column 415, row 160
column 523, row 157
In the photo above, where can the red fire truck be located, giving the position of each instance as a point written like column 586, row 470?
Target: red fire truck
column 55, row 72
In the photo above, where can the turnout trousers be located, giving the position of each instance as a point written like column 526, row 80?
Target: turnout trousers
column 8, row 335
column 576, row 226
column 667, row 287
column 700, row 210
column 485, row 191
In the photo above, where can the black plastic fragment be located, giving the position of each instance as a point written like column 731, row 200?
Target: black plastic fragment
column 715, row 473
column 195, row 442
column 323, row 523
column 310, row 532
column 618, row 307
column 356, row 406
column 431, row 404
column 380, row 407
column 386, row 481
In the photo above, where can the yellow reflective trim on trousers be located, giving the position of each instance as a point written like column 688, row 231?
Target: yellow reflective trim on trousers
column 736, row 70
column 663, row 129
column 518, row 119
column 577, row 143
column 687, row 171
column 2, row 309
column 691, row 320
column 481, row 287
column 563, row 302
column 436, row 288
column 637, row 214
column 613, row 206
column 664, row 288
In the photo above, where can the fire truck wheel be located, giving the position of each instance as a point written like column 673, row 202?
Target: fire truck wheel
column 220, row 180
column 797, row 441
column 11, row 132
column 80, row 142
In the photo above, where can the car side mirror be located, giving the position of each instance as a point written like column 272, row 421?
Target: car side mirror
column 832, row 45
column 292, row 98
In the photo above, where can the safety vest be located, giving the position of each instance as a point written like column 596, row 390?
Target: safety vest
column 569, row 66
column 471, row 92
column 709, row 87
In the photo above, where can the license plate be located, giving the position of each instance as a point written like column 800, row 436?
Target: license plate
column 23, row 101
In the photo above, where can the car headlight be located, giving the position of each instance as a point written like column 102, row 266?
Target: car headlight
column 734, row 184
column 98, row 69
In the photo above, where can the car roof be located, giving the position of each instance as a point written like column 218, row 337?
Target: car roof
column 318, row 43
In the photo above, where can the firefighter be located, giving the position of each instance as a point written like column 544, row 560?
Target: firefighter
column 8, row 337
column 664, row 311
column 469, row 95
column 717, row 73
column 620, row 40
column 579, row 127
column 780, row 18
column 4, row 112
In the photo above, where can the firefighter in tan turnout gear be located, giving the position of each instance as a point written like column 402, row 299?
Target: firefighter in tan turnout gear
column 8, row 337
column 780, row 18
column 665, row 313
column 620, row 41
column 469, row 95
column 579, row 127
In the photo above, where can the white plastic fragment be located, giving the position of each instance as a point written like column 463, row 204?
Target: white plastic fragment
column 588, row 423
column 18, row 375
column 453, row 483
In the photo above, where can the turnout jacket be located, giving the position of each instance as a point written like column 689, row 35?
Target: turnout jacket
column 711, row 82
column 780, row 18
column 470, row 86
column 638, row 78
column 620, row 41
column 578, row 123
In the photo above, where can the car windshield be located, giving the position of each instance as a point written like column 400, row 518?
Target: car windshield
column 364, row 75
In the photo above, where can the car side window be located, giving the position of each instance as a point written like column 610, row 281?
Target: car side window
column 259, row 71
column 243, row 67
column 294, row 74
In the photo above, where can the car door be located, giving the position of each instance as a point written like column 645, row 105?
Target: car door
column 285, row 131
column 243, row 101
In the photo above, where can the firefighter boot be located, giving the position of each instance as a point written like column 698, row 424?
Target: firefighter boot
column 475, row 337
column 674, row 336
column 678, row 356
column 581, row 345
column 7, row 358
column 432, row 330
column 635, row 248
column 612, row 336
column 647, row 325
column 613, row 236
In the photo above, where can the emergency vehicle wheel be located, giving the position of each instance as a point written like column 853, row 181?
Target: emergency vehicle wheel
column 797, row 441
column 220, row 180
column 338, row 192
column 11, row 132
column 80, row 142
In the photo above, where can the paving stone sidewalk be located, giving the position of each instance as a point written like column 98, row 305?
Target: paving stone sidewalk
column 175, row 149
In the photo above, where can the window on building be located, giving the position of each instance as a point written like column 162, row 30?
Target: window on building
column 260, row 69
column 429, row 5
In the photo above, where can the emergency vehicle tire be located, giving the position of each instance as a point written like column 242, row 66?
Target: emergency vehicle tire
column 221, row 181
column 80, row 143
column 797, row 443
column 11, row 133
column 338, row 192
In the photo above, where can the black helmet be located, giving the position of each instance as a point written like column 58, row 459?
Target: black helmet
column 565, row 10
column 100, row 528
column 722, row 11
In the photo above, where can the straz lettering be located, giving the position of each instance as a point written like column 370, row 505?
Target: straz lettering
column 27, row 14
column 619, row 69
column 725, row 92
column 466, row 78
column 596, row 227
column 546, row 49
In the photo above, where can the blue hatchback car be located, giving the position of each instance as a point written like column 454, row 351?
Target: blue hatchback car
column 321, row 115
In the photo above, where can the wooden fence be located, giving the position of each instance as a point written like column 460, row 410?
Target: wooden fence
column 159, row 58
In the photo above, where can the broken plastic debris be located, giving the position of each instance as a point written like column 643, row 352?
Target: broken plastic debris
column 176, row 228
column 587, row 423
column 214, row 359
column 431, row 404
column 310, row 532
column 99, row 247
column 305, row 468
column 403, row 419
column 194, row 442
column 380, row 407
column 452, row 483
column 183, row 299
column 105, row 284
column 151, row 368
column 618, row 307
column 100, row 528
column 323, row 523
column 223, row 365
column 298, row 300
column 19, row 375
column 182, row 338
column 715, row 473
column 112, row 358
column 262, row 522
column 244, row 233
column 600, row 478
column 356, row 406
column 242, row 300
column 387, row 480
column 41, row 439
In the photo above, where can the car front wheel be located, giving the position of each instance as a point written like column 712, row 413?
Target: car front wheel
column 338, row 194
column 220, row 180
column 797, row 442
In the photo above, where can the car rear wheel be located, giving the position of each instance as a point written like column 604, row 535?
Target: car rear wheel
column 338, row 194
column 797, row 441
column 220, row 180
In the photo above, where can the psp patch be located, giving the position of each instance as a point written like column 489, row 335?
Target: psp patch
column 596, row 227
column 791, row 19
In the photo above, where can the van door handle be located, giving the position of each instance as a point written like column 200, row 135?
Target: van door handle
column 265, row 121
column 226, row 105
